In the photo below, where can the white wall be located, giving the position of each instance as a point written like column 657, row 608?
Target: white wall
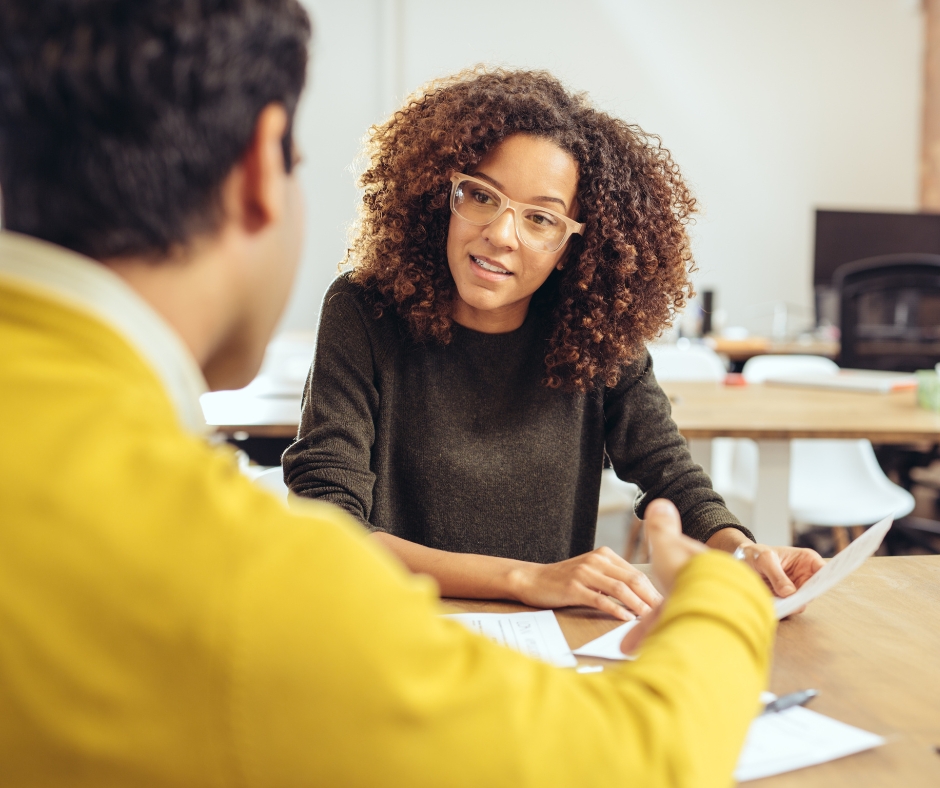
column 770, row 108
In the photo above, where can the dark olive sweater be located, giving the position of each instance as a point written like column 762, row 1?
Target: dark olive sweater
column 461, row 448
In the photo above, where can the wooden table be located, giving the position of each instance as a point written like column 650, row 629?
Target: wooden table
column 774, row 415
column 871, row 646
column 740, row 350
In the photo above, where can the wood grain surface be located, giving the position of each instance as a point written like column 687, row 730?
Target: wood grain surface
column 870, row 646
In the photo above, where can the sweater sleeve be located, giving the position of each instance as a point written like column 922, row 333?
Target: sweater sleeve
column 645, row 447
column 344, row 674
column 331, row 458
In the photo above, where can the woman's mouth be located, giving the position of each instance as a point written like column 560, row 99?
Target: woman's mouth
column 488, row 266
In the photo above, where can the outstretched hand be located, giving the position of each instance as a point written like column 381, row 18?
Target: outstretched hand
column 670, row 551
column 599, row 579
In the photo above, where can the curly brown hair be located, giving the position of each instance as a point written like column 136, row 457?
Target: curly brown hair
column 623, row 280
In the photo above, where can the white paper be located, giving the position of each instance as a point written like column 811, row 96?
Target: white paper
column 835, row 569
column 607, row 646
column 535, row 634
column 796, row 738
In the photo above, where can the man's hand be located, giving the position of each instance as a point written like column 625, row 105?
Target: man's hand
column 670, row 551
column 593, row 579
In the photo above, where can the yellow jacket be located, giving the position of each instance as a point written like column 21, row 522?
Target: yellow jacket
column 163, row 622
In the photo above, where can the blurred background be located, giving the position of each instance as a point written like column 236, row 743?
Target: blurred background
column 772, row 109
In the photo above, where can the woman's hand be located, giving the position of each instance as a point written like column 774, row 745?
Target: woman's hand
column 784, row 569
column 593, row 579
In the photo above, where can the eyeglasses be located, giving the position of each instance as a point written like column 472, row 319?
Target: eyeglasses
column 479, row 203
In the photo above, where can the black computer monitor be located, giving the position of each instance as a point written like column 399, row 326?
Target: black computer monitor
column 846, row 236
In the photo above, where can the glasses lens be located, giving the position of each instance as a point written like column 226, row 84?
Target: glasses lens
column 541, row 230
column 475, row 203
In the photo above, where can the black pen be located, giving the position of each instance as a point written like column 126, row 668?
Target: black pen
column 788, row 701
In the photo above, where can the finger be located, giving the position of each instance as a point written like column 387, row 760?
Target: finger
column 604, row 603
column 800, row 563
column 767, row 563
column 662, row 521
column 621, row 569
column 635, row 636
column 605, row 561
column 620, row 591
column 670, row 550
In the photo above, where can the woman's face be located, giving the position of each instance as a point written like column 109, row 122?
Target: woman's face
column 496, row 275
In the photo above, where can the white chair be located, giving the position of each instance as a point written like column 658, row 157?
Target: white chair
column 272, row 480
column 834, row 483
column 686, row 362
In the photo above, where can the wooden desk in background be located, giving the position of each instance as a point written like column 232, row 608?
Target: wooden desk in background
column 870, row 646
column 774, row 415
column 740, row 350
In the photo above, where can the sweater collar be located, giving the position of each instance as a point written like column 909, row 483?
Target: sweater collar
column 93, row 288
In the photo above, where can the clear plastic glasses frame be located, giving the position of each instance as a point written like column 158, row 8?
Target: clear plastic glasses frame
column 519, row 209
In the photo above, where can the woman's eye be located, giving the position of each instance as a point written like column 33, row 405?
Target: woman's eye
column 543, row 219
column 484, row 198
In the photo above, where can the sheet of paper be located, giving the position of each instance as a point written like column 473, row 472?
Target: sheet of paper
column 796, row 738
column 835, row 569
column 607, row 646
column 535, row 634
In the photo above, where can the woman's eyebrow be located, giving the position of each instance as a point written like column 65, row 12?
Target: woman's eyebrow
column 484, row 177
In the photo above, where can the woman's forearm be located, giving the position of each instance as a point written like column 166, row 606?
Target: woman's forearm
column 727, row 539
column 464, row 575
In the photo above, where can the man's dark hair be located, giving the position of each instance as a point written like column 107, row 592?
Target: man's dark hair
column 120, row 119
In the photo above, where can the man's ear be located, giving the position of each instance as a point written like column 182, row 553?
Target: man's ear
column 253, row 194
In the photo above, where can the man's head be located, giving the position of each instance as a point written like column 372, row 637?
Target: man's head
column 119, row 120
column 143, row 134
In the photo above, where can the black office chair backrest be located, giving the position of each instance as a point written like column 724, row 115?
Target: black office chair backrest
column 889, row 312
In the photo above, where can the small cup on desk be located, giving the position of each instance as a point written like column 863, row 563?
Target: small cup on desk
column 928, row 389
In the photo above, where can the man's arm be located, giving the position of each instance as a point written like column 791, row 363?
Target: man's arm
column 343, row 670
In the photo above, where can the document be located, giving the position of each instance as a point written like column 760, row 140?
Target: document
column 796, row 738
column 835, row 569
column 535, row 634
column 607, row 646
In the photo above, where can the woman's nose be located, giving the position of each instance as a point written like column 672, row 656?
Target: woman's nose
column 502, row 230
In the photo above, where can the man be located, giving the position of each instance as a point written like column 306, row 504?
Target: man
column 162, row 621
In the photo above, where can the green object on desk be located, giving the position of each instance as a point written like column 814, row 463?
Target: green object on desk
column 928, row 389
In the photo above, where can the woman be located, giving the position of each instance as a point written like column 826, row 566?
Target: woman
column 516, row 250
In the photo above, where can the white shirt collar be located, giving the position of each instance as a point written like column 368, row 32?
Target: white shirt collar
column 92, row 287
